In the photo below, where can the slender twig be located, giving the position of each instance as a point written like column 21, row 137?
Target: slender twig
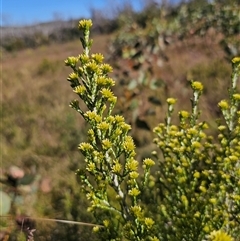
column 66, row 221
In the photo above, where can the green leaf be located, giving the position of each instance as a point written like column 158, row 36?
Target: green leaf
column 26, row 180
column 5, row 203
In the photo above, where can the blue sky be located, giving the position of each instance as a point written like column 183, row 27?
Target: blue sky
column 21, row 12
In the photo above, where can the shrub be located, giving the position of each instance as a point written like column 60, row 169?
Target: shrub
column 189, row 189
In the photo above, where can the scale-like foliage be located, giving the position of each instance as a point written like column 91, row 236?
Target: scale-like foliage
column 194, row 191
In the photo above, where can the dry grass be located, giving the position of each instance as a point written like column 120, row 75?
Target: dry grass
column 40, row 134
column 36, row 95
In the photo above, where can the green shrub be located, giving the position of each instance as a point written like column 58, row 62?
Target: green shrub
column 192, row 189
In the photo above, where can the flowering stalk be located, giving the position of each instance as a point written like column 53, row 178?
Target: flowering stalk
column 229, row 166
column 184, row 171
column 110, row 178
column 198, row 181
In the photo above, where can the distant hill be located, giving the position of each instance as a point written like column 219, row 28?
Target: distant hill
column 16, row 38
column 45, row 28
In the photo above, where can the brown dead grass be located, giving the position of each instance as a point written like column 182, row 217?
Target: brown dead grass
column 39, row 132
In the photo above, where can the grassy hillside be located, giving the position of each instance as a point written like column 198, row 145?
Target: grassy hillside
column 40, row 133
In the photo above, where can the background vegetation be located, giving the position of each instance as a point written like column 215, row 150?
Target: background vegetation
column 154, row 54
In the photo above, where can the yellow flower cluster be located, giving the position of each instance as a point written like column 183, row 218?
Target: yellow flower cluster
column 223, row 104
column 148, row 162
column 219, row 236
column 98, row 58
column 128, row 144
column 134, row 192
column 85, row 24
column 171, row 101
column 196, row 85
column 80, row 89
